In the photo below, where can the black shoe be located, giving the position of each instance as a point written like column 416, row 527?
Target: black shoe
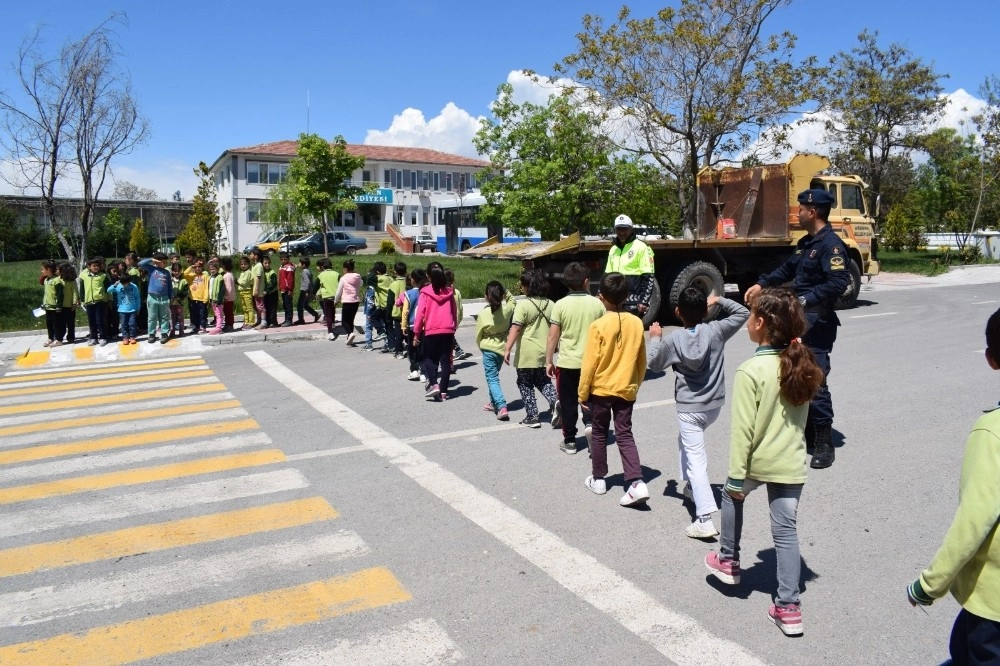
column 531, row 422
column 823, row 451
column 285, row 324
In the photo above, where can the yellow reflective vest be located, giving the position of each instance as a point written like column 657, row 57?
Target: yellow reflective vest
column 634, row 258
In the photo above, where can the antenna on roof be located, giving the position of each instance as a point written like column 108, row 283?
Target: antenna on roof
column 307, row 112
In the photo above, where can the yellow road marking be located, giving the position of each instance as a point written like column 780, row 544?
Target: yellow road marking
column 162, row 536
column 32, row 359
column 116, row 398
column 98, row 419
column 83, row 353
column 202, row 430
column 82, row 372
column 133, row 477
column 127, row 351
column 114, row 381
column 227, row 620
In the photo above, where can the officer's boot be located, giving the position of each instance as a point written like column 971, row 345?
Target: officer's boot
column 823, row 453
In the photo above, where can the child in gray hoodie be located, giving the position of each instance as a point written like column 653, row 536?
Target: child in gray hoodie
column 696, row 355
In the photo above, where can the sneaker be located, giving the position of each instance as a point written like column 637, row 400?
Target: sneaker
column 92, row 343
column 315, row 318
column 134, row 341
column 568, row 447
column 378, row 336
column 329, row 336
column 443, row 397
column 488, row 407
column 103, row 343
column 701, row 529
column 48, row 343
column 787, row 618
column 596, row 486
column 502, row 415
column 531, row 422
column 414, row 376
column 462, row 355
column 350, row 339
column 368, row 347
column 423, row 378
column 728, row 571
column 385, row 350
column 151, row 338
column 285, row 324
column 556, row 419
column 300, row 322
column 636, row 494
column 432, row 391
column 56, row 343
column 687, row 492
column 164, row 339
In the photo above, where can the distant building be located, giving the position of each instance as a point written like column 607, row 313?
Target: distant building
column 412, row 182
column 163, row 219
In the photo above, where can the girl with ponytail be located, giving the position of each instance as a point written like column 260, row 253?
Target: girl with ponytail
column 771, row 394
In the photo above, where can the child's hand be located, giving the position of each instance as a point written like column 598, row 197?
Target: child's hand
column 736, row 495
column 712, row 300
column 550, row 369
column 655, row 330
column 506, row 357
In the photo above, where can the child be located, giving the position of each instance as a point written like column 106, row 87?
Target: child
column 216, row 295
column 115, row 271
column 158, row 293
column 571, row 320
column 696, row 355
column 326, row 291
column 771, row 394
column 179, row 292
column 95, row 297
column 376, row 295
column 257, row 270
column 968, row 562
column 139, row 280
column 492, row 326
column 530, row 329
column 614, row 363
column 460, row 354
column 418, row 278
column 199, row 300
column 71, row 300
column 286, row 285
column 436, row 318
column 229, row 294
column 349, row 296
column 306, row 291
column 192, row 261
column 244, row 287
column 128, row 299
column 270, row 282
column 52, row 301
column 394, row 330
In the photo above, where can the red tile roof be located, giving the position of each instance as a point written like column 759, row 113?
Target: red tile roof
column 379, row 153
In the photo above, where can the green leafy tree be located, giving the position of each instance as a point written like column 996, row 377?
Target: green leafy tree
column 904, row 225
column 192, row 239
column 692, row 85
column 987, row 122
column 114, row 228
column 879, row 104
column 898, row 179
column 554, row 170
column 318, row 185
column 8, row 233
column 139, row 240
column 205, row 209
column 946, row 182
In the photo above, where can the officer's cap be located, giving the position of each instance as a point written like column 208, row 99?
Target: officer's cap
column 623, row 221
column 816, row 197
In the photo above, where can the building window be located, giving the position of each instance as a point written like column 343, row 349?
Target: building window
column 366, row 176
column 253, row 210
column 413, row 180
column 447, row 182
column 399, row 179
column 437, row 181
column 413, row 216
column 471, row 180
column 425, row 180
column 387, row 181
column 265, row 173
column 253, row 175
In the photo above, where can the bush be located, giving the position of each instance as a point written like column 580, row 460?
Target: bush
column 386, row 247
column 903, row 228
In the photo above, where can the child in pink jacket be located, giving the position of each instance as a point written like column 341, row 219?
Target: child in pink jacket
column 436, row 320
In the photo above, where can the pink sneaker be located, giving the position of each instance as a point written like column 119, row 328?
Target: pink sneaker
column 787, row 618
column 728, row 571
column 502, row 415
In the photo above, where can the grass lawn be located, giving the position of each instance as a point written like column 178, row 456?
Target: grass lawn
column 921, row 262
column 20, row 291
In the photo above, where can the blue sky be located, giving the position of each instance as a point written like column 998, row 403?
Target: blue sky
column 219, row 74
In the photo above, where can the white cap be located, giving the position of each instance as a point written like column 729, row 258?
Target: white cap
column 623, row 221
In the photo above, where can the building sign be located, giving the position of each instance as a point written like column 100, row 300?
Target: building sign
column 383, row 195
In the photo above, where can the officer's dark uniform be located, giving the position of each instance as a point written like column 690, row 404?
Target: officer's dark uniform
column 818, row 273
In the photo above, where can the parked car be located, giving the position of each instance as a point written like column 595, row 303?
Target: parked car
column 272, row 246
column 423, row 242
column 338, row 242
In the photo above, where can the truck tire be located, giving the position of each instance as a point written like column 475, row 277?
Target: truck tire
column 700, row 274
column 849, row 298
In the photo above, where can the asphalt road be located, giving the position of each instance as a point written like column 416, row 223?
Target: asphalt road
column 352, row 520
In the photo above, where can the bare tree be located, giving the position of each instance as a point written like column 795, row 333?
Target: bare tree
column 78, row 110
column 127, row 190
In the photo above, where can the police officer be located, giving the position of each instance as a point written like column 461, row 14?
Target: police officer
column 633, row 259
column 819, row 275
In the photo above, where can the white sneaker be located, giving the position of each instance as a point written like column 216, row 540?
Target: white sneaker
column 414, row 376
column 636, row 494
column 330, row 336
column 432, row 391
column 423, row 378
column 596, row 486
column 350, row 339
column 701, row 530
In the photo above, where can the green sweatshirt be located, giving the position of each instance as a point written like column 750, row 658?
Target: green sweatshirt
column 382, row 290
column 968, row 561
column 71, row 294
column 95, row 287
column 245, row 281
column 328, row 280
column 492, row 327
column 768, row 440
column 396, row 287
column 270, row 277
column 52, row 294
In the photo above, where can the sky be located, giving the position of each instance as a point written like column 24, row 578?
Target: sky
column 213, row 75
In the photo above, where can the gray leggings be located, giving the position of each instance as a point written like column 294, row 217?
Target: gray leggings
column 783, row 499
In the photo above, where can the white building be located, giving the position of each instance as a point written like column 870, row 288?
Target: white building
column 412, row 183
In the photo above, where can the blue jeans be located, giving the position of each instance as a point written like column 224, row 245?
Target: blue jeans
column 128, row 326
column 783, row 499
column 492, row 362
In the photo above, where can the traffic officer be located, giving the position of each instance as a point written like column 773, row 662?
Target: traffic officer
column 633, row 259
column 819, row 275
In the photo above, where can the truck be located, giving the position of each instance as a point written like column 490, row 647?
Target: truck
column 747, row 225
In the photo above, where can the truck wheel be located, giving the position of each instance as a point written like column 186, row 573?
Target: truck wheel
column 700, row 274
column 653, row 313
column 849, row 298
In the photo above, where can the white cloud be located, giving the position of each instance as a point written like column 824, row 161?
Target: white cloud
column 450, row 131
column 958, row 111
